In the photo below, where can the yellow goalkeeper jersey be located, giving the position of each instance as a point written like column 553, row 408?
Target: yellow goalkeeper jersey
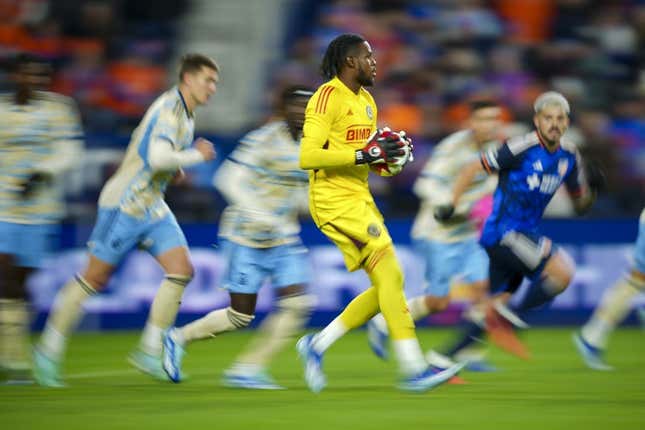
column 337, row 123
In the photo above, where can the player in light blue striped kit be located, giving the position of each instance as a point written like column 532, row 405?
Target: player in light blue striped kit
column 613, row 308
column 132, row 212
column 40, row 138
column 266, row 191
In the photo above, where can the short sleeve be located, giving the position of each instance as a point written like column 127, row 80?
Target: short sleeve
column 501, row 158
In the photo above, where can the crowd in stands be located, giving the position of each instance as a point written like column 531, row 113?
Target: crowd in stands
column 433, row 57
column 110, row 56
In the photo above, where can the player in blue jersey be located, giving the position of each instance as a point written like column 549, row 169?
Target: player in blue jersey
column 530, row 169
column 266, row 191
column 593, row 338
column 40, row 138
column 451, row 249
column 132, row 212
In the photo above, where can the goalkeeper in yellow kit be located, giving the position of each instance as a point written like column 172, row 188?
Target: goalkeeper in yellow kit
column 340, row 141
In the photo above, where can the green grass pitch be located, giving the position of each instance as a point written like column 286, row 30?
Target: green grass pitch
column 551, row 391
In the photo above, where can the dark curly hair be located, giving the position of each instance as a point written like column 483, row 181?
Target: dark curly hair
column 337, row 50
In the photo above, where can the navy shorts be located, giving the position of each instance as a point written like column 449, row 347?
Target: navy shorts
column 516, row 256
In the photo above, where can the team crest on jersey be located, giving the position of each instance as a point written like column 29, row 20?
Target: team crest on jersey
column 374, row 230
column 563, row 165
column 369, row 112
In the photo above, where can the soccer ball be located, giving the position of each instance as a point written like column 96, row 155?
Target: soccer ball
column 395, row 166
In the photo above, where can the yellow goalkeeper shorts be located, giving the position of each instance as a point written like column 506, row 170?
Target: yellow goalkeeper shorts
column 358, row 234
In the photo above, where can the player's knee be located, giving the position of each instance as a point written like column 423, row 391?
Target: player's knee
column 188, row 270
column 97, row 281
column 394, row 268
column 636, row 279
column 384, row 260
column 479, row 290
column 179, row 279
column 560, row 270
column 397, row 277
column 184, row 270
column 237, row 319
column 437, row 304
column 563, row 272
column 300, row 304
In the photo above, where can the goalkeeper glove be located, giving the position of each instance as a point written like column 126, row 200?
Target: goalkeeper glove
column 380, row 148
column 34, row 181
column 408, row 142
column 596, row 178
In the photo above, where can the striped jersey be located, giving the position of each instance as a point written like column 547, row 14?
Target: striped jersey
column 434, row 187
column 41, row 136
column 529, row 175
column 135, row 187
column 337, row 123
column 265, row 188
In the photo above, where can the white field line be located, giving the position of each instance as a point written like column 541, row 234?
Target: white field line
column 128, row 372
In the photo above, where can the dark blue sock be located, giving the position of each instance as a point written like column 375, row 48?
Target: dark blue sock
column 538, row 294
column 470, row 334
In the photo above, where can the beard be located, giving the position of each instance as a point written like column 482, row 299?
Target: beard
column 548, row 141
column 365, row 79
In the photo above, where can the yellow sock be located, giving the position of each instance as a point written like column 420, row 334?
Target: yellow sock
column 387, row 279
column 361, row 309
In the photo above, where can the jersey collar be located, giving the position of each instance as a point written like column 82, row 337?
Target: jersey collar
column 543, row 144
column 183, row 102
column 340, row 84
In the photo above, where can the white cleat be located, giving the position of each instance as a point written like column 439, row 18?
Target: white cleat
column 429, row 378
column 46, row 370
column 377, row 339
column 312, row 362
column 592, row 356
column 173, row 354
column 256, row 381
column 148, row 364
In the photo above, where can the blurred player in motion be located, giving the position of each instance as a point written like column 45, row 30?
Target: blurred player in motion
column 40, row 138
column 614, row 306
column 530, row 170
column 132, row 212
column 266, row 190
column 340, row 142
column 450, row 248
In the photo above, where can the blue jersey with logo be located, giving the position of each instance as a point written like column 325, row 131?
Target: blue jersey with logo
column 529, row 175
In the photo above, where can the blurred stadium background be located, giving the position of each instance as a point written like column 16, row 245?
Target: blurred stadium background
column 114, row 57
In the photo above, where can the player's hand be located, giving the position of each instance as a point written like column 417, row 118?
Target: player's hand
column 34, row 181
column 443, row 213
column 382, row 146
column 206, row 148
column 179, row 178
column 409, row 144
column 596, row 178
